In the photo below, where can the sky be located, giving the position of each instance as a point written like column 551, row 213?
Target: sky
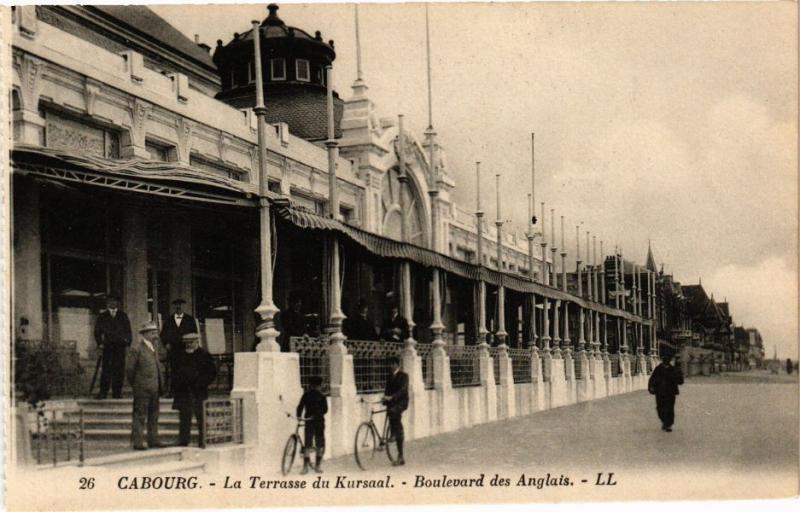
column 669, row 122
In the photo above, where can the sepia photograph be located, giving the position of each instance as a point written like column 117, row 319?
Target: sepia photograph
column 396, row 254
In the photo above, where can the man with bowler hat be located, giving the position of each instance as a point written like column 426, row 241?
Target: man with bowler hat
column 194, row 372
column 112, row 332
column 175, row 326
column 144, row 375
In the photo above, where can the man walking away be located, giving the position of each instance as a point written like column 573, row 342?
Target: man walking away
column 112, row 332
column 396, row 400
column 175, row 326
column 789, row 366
column 664, row 384
column 194, row 372
column 144, row 374
column 315, row 406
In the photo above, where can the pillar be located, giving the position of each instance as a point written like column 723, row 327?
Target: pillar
column 181, row 262
column 27, row 263
column 134, row 241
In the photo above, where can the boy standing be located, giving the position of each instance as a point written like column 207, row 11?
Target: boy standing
column 315, row 405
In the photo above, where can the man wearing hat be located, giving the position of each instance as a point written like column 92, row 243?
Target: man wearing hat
column 175, row 326
column 194, row 372
column 396, row 326
column 112, row 332
column 144, row 374
column 359, row 326
column 663, row 383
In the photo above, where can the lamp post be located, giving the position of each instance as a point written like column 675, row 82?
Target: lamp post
column 266, row 331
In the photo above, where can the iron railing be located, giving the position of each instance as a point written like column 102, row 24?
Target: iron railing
column 45, row 369
column 616, row 368
column 464, row 365
column 59, row 435
column 521, row 360
column 369, row 363
column 314, row 361
column 425, row 352
column 578, row 366
column 494, row 352
column 223, row 382
column 222, row 421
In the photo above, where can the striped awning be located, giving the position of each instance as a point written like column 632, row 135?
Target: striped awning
column 388, row 248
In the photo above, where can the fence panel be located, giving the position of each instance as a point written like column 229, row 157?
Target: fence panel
column 44, row 369
column 464, row 365
column 494, row 353
column 314, row 360
column 369, row 363
column 521, row 365
column 222, row 420
column 616, row 368
column 59, row 435
column 223, row 383
column 425, row 352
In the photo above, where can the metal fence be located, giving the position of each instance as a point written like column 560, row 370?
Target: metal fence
column 494, row 352
column 464, row 365
column 425, row 352
column 222, row 420
column 223, row 382
column 44, row 369
column 578, row 367
column 314, row 361
column 649, row 363
column 616, row 368
column 634, row 362
column 521, row 365
column 59, row 435
column 369, row 363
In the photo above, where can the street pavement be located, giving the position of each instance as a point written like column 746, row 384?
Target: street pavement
column 735, row 435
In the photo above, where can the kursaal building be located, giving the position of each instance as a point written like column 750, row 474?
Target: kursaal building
column 150, row 166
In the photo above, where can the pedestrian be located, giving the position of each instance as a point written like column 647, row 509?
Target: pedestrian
column 663, row 383
column 359, row 326
column 112, row 332
column 292, row 321
column 789, row 366
column 315, row 406
column 395, row 398
column 396, row 327
column 144, row 375
column 175, row 326
column 194, row 372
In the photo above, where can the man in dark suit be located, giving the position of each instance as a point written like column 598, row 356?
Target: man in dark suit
column 144, row 375
column 195, row 371
column 396, row 400
column 112, row 332
column 359, row 326
column 664, row 383
column 291, row 321
column 175, row 326
column 396, row 326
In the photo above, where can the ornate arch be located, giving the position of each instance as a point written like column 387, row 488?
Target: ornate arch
column 392, row 214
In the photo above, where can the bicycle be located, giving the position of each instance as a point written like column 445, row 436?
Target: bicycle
column 294, row 441
column 369, row 440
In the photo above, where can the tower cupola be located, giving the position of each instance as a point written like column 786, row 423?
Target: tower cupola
column 293, row 67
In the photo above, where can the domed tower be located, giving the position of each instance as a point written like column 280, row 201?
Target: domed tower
column 293, row 65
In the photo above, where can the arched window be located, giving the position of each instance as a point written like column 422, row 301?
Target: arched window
column 392, row 214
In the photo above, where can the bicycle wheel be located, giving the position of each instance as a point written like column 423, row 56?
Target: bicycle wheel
column 289, row 454
column 366, row 445
column 391, row 443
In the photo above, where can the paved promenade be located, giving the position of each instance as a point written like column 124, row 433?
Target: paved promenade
column 735, row 435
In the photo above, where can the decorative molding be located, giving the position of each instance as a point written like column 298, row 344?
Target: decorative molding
column 223, row 141
column 184, row 129
column 90, row 92
column 138, row 114
column 30, row 72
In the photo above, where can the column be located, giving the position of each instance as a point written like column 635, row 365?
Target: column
column 27, row 264
column 134, row 232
